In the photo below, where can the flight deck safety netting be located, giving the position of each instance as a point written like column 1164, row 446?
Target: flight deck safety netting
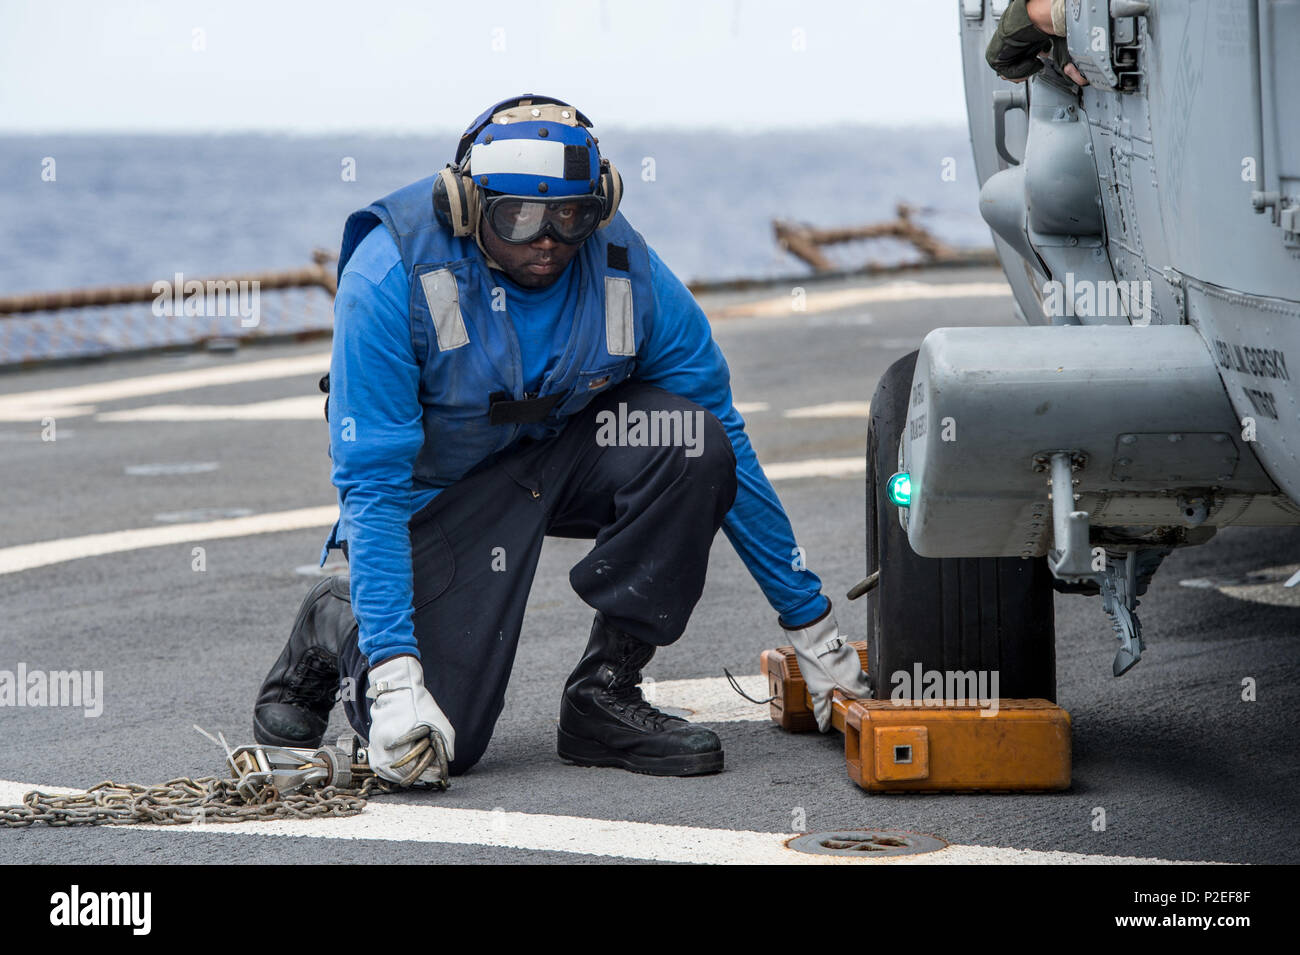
column 174, row 312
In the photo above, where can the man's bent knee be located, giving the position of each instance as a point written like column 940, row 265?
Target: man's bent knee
column 714, row 444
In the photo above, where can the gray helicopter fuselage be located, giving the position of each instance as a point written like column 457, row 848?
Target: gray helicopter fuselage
column 1149, row 226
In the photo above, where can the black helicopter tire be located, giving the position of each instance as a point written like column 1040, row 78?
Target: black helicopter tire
column 946, row 614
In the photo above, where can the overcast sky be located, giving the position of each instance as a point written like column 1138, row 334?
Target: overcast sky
column 82, row 66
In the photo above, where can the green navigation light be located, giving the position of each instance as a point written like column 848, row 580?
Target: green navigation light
column 899, row 489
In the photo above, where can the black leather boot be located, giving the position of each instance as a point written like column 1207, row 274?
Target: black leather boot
column 293, row 707
column 605, row 721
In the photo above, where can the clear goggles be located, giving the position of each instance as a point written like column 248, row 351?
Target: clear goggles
column 567, row 219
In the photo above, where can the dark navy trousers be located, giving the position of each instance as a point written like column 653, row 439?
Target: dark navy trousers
column 653, row 512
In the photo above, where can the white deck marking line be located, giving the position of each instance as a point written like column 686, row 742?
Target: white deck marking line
column 711, row 699
column 33, row 414
column 901, row 291
column 609, row 838
column 309, row 408
column 43, row 553
column 1266, row 585
column 833, row 409
column 80, row 399
column 816, row 467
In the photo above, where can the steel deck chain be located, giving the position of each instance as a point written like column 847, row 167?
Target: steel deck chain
column 266, row 782
column 185, row 801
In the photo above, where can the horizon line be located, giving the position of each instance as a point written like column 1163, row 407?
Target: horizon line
column 448, row 130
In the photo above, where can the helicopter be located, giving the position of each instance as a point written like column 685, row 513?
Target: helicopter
column 1148, row 223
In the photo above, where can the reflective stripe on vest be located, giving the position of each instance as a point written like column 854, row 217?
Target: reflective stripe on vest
column 620, row 333
column 444, row 307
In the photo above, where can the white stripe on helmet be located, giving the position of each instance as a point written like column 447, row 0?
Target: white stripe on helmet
column 530, row 157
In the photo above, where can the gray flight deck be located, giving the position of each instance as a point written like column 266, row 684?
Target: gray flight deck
column 1182, row 767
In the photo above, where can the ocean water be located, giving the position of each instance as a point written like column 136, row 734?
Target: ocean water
column 128, row 209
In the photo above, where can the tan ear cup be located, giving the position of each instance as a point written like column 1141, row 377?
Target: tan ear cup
column 611, row 189
column 473, row 195
column 459, row 199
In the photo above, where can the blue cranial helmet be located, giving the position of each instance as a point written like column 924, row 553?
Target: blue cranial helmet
column 529, row 146
column 541, row 150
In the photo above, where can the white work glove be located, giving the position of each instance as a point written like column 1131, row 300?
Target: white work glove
column 405, row 720
column 827, row 662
